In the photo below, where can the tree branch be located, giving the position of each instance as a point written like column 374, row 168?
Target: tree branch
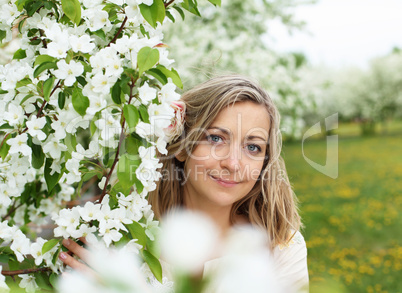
column 23, row 272
column 12, row 210
column 167, row 4
column 118, row 32
column 44, row 101
column 116, row 158
column 4, row 139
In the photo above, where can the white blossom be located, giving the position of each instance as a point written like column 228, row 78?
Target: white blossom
column 14, row 115
column 82, row 44
column 54, row 147
column 35, row 126
column 147, row 94
column 19, row 145
column 68, row 72
column 20, row 245
column 28, row 282
column 3, row 285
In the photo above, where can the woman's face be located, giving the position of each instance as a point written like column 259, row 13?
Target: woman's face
column 227, row 161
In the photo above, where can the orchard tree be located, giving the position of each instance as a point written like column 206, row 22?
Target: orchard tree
column 235, row 39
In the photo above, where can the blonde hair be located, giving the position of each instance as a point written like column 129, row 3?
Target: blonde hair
column 271, row 204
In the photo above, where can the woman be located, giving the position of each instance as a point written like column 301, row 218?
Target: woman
column 227, row 164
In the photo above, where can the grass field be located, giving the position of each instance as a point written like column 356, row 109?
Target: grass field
column 352, row 223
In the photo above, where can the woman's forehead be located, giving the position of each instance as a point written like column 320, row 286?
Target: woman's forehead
column 247, row 118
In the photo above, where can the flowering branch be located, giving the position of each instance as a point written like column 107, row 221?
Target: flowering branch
column 23, row 272
column 116, row 158
column 118, row 32
column 12, row 210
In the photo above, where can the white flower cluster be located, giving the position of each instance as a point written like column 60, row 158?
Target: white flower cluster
column 76, row 222
column 188, row 241
column 72, row 81
column 23, row 246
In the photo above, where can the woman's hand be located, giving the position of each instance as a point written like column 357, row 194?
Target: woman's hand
column 79, row 251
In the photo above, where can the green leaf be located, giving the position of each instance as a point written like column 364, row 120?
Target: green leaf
column 5, row 147
column 38, row 157
column 126, row 170
column 180, row 11
column 147, row 58
column 216, row 2
column 72, row 10
column 20, row 54
column 61, row 100
column 154, row 247
column 49, row 245
column 23, row 82
column 3, row 35
column 116, row 93
column 80, row 102
column 21, row 24
column 4, row 258
column 100, row 33
column 191, row 6
column 153, row 264
column 170, row 16
column 53, row 279
column 44, row 66
column 42, row 280
column 47, row 87
column 137, row 232
column 155, row 12
column 89, row 175
column 71, row 142
column 131, row 145
column 33, row 6
column 51, row 180
column 172, row 74
column 132, row 116
column 26, row 98
column 44, row 58
column 144, row 113
column 158, row 75
column 93, row 127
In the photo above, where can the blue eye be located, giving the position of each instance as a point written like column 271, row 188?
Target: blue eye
column 254, row 148
column 214, row 138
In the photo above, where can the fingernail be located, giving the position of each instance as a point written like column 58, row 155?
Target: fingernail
column 67, row 241
column 63, row 255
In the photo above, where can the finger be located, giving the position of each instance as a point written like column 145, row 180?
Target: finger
column 78, row 250
column 75, row 264
column 83, row 240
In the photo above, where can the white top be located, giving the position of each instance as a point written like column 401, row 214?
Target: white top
column 289, row 269
column 289, row 266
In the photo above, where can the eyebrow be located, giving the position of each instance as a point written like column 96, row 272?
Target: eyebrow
column 227, row 132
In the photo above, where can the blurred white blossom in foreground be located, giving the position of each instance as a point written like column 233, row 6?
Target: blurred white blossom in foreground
column 189, row 241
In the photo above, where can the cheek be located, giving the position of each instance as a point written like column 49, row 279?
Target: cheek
column 254, row 171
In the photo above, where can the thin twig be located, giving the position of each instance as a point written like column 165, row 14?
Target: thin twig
column 23, row 272
column 167, row 4
column 4, row 139
column 118, row 33
column 12, row 210
column 43, row 40
column 116, row 158
column 44, row 101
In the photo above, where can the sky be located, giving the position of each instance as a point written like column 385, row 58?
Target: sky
column 343, row 32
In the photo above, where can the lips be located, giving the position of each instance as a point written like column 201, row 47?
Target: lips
column 223, row 182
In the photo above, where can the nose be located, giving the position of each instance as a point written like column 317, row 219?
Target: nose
column 231, row 161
